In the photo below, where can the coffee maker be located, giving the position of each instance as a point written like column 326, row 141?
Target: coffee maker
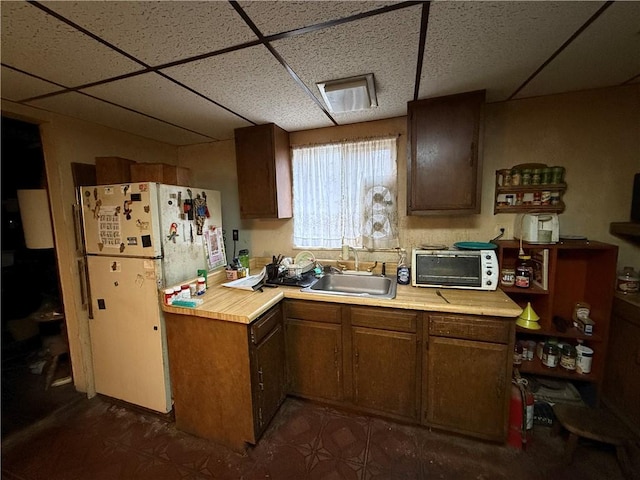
column 542, row 228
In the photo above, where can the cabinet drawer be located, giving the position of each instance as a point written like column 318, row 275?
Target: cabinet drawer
column 316, row 311
column 264, row 324
column 471, row 328
column 387, row 319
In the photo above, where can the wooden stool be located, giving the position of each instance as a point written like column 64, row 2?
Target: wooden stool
column 594, row 424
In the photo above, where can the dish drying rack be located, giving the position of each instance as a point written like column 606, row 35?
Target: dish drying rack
column 304, row 262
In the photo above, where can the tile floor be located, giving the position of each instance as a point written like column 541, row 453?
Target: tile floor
column 98, row 439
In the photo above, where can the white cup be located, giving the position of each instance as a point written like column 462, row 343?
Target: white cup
column 584, row 356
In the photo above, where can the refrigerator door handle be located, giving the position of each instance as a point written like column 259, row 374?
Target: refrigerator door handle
column 85, row 289
column 77, row 227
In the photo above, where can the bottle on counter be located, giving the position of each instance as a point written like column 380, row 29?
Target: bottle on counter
column 243, row 258
column 404, row 271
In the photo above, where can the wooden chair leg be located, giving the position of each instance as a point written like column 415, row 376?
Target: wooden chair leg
column 572, row 443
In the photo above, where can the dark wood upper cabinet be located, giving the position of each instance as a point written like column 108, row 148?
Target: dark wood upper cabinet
column 445, row 163
column 264, row 171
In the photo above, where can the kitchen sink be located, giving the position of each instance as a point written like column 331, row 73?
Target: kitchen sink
column 373, row 286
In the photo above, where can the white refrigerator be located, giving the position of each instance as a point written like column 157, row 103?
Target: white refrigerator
column 139, row 238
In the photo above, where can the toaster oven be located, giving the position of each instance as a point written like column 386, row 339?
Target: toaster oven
column 467, row 269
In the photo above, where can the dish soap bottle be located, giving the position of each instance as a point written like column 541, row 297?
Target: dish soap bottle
column 403, row 272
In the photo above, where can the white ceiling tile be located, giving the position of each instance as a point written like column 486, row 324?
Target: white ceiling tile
column 38, row 43
column 86, row 108
column 160, row 32
column 356, row 49
column 273, row 17
column 18, row 86
column 494, row 45
column 599, row 56
column 154, row 95
column 253, row 84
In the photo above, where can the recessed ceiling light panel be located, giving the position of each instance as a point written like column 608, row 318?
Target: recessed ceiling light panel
column 349, row 94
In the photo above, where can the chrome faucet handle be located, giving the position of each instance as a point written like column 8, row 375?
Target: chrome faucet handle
column 342, row 267
column 370, row 269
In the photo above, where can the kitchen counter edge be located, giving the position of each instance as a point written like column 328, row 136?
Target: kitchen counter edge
column 241, row 306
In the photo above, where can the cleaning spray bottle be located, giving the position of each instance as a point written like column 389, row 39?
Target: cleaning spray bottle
column 403, row 271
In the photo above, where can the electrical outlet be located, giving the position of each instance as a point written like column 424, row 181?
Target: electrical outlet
column 504, row 230
column 235, row 235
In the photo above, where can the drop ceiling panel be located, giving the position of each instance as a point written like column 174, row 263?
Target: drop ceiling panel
column 494, row 45
column 606, row 53
column 253, row 84
column 346, row 50
column 275, row 17
column 160, row 32
column 17, row 86
column 86, row 108
column 38, row 43
column 154, row 95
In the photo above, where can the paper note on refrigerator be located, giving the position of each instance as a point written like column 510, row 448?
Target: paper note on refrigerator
column 215, row 247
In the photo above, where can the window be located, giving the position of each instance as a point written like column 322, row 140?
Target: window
column 345, row 192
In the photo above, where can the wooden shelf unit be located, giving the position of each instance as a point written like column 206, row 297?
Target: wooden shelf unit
column 501, row 190
column 579, row 271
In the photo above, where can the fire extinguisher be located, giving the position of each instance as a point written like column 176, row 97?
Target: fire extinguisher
column 520, row 413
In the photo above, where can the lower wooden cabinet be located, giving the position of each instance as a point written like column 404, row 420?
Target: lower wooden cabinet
column 467, row 372
column 446, row 371
column 621, row 389
column 313, row 345
column 227, row 378
column 384, row 360
column 267, row 367
column 451, row 372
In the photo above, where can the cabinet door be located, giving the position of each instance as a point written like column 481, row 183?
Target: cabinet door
column 384, row 371
column 269, row 376
column 264, row 171
column 314, row 359
column 444, row 168
column 467, row 387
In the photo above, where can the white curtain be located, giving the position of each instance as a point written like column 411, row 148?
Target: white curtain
column 345, row 192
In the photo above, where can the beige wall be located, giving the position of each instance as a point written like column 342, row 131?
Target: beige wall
column 595, row 135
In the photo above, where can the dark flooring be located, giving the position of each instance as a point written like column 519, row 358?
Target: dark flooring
column 98, row 439
column 58, row 433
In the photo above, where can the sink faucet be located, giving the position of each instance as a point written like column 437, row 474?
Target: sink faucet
column 355, row 254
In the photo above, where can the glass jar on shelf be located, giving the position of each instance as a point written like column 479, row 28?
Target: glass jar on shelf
column 524, row 271
column 628, row 281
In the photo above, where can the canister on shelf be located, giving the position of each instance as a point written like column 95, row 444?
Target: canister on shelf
column 584, row 357
column 516, row 177
column 535, row 176
column 504, row 179
column 557, row 174
column 550, row 355
column 508, row 277
column 545, row 199
column 526, row 177
column 524, row 271
column 517, row 353
column 545, row 177
column 519, row 198
column 568, row 357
